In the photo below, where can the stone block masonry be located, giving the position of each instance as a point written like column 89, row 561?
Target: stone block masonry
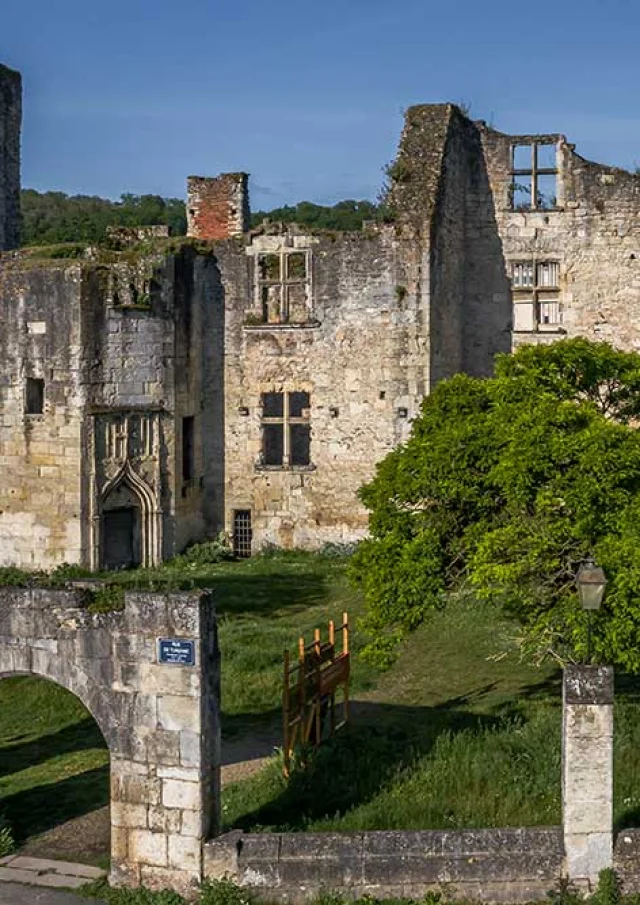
column 10, row 125
column 160, row 720
column 587, row 770
column 513, row 865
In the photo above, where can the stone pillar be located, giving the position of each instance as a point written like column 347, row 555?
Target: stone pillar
column 587, row 770
column 217, row 208
column 165, row 757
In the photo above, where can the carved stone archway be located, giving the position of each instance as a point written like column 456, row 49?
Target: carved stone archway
column 150, row 516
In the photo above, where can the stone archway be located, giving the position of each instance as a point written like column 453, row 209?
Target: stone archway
column 155, row 703
column 129, row 526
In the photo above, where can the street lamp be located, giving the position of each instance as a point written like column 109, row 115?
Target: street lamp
column 591, row 582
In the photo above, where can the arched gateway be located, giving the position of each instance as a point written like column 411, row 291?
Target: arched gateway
column 149, row 676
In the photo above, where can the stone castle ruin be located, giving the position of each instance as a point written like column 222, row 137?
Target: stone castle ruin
column 155, row 391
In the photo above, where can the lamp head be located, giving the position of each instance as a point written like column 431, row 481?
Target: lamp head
column 591, row 582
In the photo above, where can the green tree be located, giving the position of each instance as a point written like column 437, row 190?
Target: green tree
column 507, row 483
column 52, row 217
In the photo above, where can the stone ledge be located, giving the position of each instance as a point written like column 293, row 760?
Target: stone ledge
column 517, row 864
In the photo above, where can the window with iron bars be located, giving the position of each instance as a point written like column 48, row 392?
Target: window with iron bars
column 242, row 533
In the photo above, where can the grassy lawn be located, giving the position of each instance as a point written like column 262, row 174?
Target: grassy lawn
column 452, row 736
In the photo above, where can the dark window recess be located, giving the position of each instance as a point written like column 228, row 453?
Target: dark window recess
column 286, row 432
column 273, row 440
column 242, row 533
column 188, row 458
column 298, row 405
column 34, row 401
column 300, row 444
column 273, row 405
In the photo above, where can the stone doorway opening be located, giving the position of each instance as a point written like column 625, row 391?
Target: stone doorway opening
column 122, row 548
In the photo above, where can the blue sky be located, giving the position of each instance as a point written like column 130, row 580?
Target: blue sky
column 306, row 96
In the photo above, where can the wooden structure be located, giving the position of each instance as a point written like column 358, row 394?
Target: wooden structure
column 310, row 685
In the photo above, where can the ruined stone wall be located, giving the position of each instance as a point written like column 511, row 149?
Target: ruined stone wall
column 10, row 124
column 41, row 457
column 125, row 353
column 160, row 720
column 361, row 356
column 593, row 232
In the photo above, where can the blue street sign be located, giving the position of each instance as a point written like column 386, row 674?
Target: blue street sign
column 176, row 651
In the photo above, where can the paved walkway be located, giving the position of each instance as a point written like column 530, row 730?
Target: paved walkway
column 54, row 875
column 12, row 894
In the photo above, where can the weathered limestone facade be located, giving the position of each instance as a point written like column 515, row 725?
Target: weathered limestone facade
column 110, row 388
column 10, row 125
column 152, row 394
column 160, row 720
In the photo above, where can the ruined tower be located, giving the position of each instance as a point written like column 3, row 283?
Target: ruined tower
column 217, row 208
column 10, row 121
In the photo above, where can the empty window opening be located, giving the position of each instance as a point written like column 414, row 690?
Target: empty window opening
column 534, row 176
column 286, row 431
column 188, row 453
column 34, row 396
column 536, row 296
column 242, row 533
column 283, row 287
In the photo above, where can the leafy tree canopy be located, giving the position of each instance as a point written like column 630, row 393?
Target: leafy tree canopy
column 345, row 215
column 49, row 218
column 52, row 217
column 507, row 483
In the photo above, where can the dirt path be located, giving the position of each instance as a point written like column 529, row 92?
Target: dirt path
column 86, row 838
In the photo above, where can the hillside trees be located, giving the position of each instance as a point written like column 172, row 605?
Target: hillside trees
column 506, row 484
column 52, row 217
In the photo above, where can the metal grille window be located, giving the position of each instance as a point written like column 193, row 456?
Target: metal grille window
column 536, row 295
column 286, row 431
column 283, row 287
column 534, row 176
column 242, row 533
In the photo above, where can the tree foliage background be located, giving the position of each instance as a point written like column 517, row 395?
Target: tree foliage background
column 506, row 484
column 49, row 218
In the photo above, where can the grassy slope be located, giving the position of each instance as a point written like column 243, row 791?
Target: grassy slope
column 449, row 737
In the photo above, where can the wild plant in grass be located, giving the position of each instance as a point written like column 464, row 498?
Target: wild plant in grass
column 7, row 842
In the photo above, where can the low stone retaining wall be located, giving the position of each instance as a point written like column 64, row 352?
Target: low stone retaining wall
column 513, row 865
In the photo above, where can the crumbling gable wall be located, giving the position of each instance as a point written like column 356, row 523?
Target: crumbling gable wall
column 592, row 234
column 10, row 123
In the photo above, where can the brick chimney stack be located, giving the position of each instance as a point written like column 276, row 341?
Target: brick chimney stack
column 218, row 207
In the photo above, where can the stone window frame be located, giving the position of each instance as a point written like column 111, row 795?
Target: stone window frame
column 534, row 171
column 536, row 282
column 280, row 247
column 287, row 421
column 285, row 281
